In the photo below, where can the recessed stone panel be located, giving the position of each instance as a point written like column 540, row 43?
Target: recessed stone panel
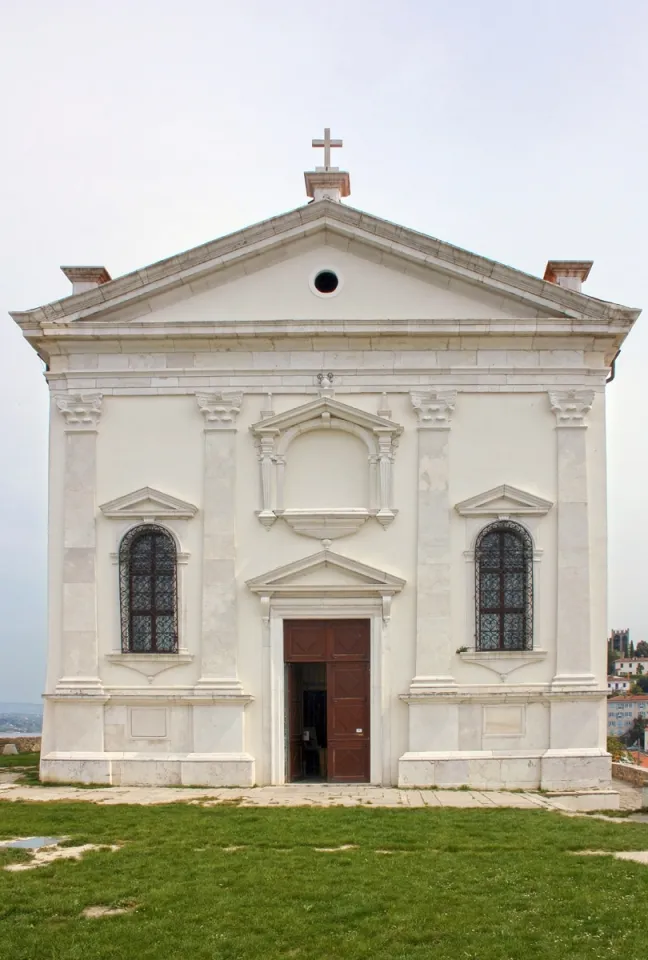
column 148, row 722
column 504, row 721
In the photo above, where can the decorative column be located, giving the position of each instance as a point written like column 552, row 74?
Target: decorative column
column 573, row 641
column 267, row 460
column 433, row 625
column 386, row 443
column 219, row 615
column 79, row 661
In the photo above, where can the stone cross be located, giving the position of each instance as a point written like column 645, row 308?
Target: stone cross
column 327, row 143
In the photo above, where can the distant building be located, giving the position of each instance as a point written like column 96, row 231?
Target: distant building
column 623, row 711
column 634, row 666
column 620, row 641
column 618, row 685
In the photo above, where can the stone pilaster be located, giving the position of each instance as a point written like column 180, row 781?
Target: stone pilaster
column 219, row 643
column 79, row 662
column 433, row 626
column 573, row 640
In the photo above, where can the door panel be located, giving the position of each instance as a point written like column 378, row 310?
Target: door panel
column 349, row 639
column 305, row 641
column 348, row 721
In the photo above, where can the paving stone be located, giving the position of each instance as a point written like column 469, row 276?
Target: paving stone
column 412, row 798
column 502, row 798
column 431, row 798
column 458, row 798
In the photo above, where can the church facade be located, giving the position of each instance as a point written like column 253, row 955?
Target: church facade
column 327, row 501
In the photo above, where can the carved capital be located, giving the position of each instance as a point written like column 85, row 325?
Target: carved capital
column 385, row 445
column 265, row 610
column 434, row 408
column 220, row 409
column 386, row 607
column 81, row 410
column 571, row 406
column 265, row 448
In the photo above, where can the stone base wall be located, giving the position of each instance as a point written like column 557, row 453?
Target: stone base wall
column 24, row 743
column 630, row 773
column 489, row 770
column 142, row 770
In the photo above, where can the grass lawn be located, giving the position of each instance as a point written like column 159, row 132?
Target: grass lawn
column 19, row 760
column 460, row 884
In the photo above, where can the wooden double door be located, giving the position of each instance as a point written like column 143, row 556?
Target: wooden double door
column 342, row 647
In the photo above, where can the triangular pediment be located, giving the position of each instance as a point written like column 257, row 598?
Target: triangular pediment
column 417, row 269
column 504, row 500
column 148, row 504
column 324, row 407
column 326, row 573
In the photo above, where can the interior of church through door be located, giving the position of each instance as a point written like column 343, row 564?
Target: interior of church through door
column 308, row 721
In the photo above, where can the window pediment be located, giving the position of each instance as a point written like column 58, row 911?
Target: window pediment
column 502, row 501
column 148, row 504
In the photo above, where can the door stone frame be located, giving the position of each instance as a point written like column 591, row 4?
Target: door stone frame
column 323, row 608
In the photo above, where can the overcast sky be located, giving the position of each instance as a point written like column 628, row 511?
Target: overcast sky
column 139, row 128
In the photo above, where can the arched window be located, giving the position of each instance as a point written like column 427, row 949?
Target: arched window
column 148, row 591
column 504, row 587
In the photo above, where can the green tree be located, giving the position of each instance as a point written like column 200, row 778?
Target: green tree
column 618, row 750
column 642, row 684
column 636, row 732
column 642, row 649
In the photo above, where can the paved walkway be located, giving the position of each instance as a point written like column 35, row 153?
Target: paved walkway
column 290, row 795
column 298, row 795
column 631, row 797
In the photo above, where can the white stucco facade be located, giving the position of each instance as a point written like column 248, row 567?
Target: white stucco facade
column 327, row 456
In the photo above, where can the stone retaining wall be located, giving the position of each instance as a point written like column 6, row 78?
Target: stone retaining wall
column 630, row 773
column 25, row 743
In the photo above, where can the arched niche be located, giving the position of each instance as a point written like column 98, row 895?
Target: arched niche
column 326, row 418
column 326, row 469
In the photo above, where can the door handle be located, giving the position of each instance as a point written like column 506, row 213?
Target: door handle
column 359, row 730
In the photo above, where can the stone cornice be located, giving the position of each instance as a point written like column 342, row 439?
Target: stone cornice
column 434, row 408
column 80, row 410
column 504, row 693
column 136, row 329
column 356, row 383
column 220, row 408
column 571, row 406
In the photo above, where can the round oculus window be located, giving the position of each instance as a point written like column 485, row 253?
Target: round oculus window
column 326, row 282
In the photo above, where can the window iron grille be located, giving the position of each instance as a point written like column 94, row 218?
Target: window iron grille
column 148, row 591
column 504, row 587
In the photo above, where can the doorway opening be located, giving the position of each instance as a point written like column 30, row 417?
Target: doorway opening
column 308, row 728
column 327, row 700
